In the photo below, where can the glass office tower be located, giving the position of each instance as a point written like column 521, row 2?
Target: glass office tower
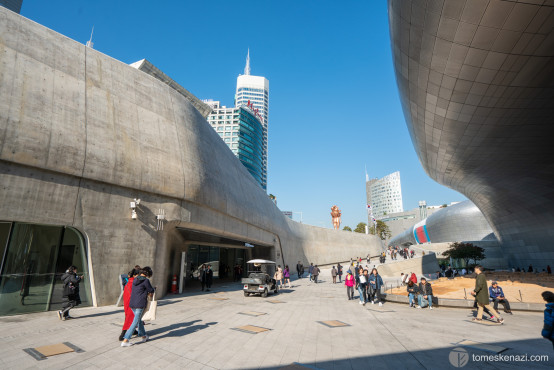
column 241, row 129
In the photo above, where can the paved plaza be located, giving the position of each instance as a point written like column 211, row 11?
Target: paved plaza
column 195, row 331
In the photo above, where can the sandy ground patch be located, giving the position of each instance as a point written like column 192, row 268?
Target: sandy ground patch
column 530, row 288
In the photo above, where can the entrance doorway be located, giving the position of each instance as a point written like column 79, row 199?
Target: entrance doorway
column 227, row 263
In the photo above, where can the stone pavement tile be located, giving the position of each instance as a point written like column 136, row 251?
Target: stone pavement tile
column 182, row 338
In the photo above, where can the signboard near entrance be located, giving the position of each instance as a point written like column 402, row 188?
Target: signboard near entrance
column 183, row 272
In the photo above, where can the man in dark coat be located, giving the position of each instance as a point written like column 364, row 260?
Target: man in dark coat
column 481, row 292
column 203, row 276
column 299, row 269
column 497, row 296
column 209, row 277
column 71, row 295
column 315, row 273
column 425, row 293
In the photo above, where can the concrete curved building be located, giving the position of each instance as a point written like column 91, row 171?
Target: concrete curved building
column 81, row 136
column 476, row 81
column 462, row 222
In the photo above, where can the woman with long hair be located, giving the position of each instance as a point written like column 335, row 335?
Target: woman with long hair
column 129, row 315
column 287, row 275
column 375, row 284
column 139, row 298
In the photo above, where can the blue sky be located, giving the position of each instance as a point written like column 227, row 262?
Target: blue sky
column 334, row 105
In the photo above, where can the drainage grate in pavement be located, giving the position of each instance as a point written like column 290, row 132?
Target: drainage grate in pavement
column 41, row 353
column 218, row 299
column 252, row 313
column 251, row 329
column 274, row 301
column 482, row 346
column 333, row 323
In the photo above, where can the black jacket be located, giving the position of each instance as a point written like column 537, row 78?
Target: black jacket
column 72, row 278
column 414, row 289
column 425, row 290
column 139, row 292
column 209, row 276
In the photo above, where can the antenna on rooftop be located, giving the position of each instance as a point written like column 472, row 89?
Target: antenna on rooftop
column 247, row 67
column 90, row 44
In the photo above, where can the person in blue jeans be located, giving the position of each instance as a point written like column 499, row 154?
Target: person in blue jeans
column 139, row 298
column 362, row 286
column 425, row 293
column 496, row 295
column 412, row 292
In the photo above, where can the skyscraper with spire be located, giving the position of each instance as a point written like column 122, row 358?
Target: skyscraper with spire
column 253, row 92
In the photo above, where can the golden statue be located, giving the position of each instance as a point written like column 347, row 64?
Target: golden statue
column 335, row 214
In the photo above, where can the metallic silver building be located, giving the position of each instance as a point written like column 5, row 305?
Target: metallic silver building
column 476, row 80
column 461, row 222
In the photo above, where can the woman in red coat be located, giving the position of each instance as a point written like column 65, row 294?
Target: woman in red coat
column 129, row 315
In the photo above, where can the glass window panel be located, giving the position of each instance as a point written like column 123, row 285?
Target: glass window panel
column 28, row 270
column 4, row 234
column 36, row 256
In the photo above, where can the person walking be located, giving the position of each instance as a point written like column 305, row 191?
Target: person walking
column 203, row 276
column 334, row 274
column 71, row 296
column 425, row 293
column 286, row 274
column 310, row 270
column 375, row 283
column 362, row 284
column 279, row 276
column 497, row 296
column 129, row 315
column 209, row 277
column 339, row 272
column 481, row 293
column 299, row 269
column 548, row 327
column 139, row 298
column 349, row 282
column 315, row 273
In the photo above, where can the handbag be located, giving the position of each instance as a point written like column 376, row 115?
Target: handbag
column 150, row 312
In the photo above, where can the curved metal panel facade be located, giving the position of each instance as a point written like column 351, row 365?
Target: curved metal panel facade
column 460, row 222
column 476, row 81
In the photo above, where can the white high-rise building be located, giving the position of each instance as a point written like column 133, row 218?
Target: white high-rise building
column 253, row 91
column 384, row 195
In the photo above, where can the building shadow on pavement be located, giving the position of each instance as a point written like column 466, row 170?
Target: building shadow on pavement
column 179, row 329
column 451, row 357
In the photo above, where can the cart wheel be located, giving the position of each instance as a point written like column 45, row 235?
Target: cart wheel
column 264, row 294
column 246, row 294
